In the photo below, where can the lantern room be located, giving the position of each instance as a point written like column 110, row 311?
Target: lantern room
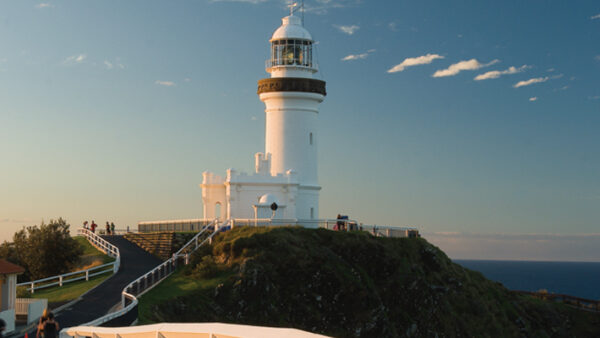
column 291, row 49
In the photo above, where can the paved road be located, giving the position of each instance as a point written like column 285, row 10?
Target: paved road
column 134, row 263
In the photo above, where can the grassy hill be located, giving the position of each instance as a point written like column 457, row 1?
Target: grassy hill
column 350, row 284
column 56, row 295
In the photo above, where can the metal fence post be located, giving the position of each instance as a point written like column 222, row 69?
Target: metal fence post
column 87, row 275
column 32, row 287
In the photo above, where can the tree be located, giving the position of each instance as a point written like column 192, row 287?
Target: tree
column 43, row 251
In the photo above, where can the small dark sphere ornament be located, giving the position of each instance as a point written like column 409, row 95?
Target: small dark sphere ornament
column 291, row 84
column 274, row 206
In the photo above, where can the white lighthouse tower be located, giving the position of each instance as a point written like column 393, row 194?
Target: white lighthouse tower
column 286, row 173
column 292, row 98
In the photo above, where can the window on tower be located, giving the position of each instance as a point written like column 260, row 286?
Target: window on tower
column 291, row 52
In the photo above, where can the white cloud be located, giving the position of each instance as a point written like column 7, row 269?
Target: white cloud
column 78, row 58
column 111, row 65
column 44, row 5
column 597, row 16
column 355, row 57
column 358, row 56
column 597, row 57
column 246, row 1
column 494, row 74
column 458, row 67
column 517, row 246
column 597, row 97
column 419, row 60
column 187, row 79
column 530, row 81
column 165, row 83
column 533, row 98
column 550, row 70
column 322, row 6
column 347, row 29
column 393, row 26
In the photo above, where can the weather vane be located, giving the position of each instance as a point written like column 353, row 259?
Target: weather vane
column 294, row 8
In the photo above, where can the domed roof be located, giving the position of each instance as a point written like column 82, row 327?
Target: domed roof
column 267, row 199
column 291, row 28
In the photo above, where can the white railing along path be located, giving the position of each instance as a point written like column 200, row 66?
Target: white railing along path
column 86, row 274
column 149, row 280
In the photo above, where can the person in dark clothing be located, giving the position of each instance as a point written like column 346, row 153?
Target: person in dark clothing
column 107, row 228
column 50, row 326
column 2, row 327
column 339, row 224
column 40, row 327
column 93, row 226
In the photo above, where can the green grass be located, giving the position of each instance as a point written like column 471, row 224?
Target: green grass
column 69, row 291
column 90, row 255
column 177, row 285
column 341, row 284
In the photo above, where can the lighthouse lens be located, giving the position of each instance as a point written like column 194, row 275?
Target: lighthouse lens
column 291, row 52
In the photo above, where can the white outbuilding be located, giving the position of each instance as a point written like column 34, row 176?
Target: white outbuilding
column 286, row 172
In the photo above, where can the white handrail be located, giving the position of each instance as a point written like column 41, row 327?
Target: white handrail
column 163, row 270
column 103, row 245
column 97, row 242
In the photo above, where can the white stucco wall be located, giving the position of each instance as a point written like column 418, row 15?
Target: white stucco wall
column 213, row 193
column 290, row 119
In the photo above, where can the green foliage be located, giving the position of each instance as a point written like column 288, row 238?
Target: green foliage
column 43, row 251
column 206, row 268
column 348, row 284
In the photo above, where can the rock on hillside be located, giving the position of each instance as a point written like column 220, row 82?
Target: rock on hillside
column 356, row 285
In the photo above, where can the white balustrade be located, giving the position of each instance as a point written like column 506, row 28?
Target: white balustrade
column 60, row 280
column 148, row 281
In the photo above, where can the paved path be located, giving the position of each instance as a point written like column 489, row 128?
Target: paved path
column 134, row 263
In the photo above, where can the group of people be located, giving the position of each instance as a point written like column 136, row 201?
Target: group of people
column 110, row 227
column 343, row 224
column 47, row 326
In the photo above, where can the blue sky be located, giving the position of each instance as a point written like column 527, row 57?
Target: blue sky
column 476, row 121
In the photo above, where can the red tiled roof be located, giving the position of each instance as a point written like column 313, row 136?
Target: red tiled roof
column 7, row 267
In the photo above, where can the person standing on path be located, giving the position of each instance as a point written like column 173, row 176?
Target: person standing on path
column 50, row 327
column 112, row 228
column 93, row 226
column 40, row 327
column 107, row 228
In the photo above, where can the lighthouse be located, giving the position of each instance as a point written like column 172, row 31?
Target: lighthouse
column 286, row 172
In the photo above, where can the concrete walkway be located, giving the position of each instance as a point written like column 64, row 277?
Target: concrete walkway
column 134, row 263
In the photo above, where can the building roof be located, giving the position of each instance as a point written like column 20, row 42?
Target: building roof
column 8, row 268
column 291, row 28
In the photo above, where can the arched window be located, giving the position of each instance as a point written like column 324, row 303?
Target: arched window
column 218, row 210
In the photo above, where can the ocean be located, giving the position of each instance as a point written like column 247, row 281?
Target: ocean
column 580, row 279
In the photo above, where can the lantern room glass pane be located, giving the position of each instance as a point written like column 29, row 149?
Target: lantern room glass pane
column 291, row 52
